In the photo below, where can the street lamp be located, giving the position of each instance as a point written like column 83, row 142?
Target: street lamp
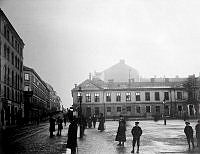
column 80, row 112
column 164, row 117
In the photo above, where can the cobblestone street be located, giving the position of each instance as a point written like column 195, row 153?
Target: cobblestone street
column 156, row 138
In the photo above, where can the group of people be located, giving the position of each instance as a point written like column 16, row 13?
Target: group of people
column 121, row 134
column 59, row 120
column 188, row 130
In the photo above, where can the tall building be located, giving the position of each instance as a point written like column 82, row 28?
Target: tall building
column 11, row 74
column 119, row 72
column 36, row 96
column 175, row 97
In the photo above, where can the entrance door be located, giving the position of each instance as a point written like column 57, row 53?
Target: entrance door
column 88, row 111
column 167, row 111
column 191, row 110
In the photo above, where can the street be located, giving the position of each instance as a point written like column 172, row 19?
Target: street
column 156, row 138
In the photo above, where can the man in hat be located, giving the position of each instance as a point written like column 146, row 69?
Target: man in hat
column 189, row 134
column 136, row 132
column 197, row 128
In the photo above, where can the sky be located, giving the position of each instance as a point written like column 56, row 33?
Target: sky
column 65, row 40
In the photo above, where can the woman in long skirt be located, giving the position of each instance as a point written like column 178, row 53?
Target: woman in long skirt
column 121, row 132
column 101, row 122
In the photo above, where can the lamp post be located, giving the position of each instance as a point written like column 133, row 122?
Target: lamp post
column 80, row 112
column 165, row 121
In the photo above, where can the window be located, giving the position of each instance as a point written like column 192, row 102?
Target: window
column 96, row 97
column 108, row 109
column 118, row 97
column 119, row 109
column 138, row 109
column 12, row 58
column 128, row 96
column 157, row 96
column 26, row 76
column 128, row 108
column 180, row 108
column 166, row 95
column 108, row 97
column 179, row 95
column 157, row 109
column 88, row 97
column 5, row 50
column 96, row 110
column 26, row 88
column 147, row 96
column 137, row 94
column 148, row 109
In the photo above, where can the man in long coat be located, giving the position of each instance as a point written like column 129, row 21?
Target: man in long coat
column 189, row 134
column 197, row 128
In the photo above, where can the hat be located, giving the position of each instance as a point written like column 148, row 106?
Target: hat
column 187, row 122
column 136, row 122
column 198, row 121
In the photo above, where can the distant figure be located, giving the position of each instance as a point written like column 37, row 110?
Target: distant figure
column 52, row 125
column 101, row 122
column 94, row 120
column 60, row 126
column 136, row 132
column 121, row 132
column 65, row 120
column 197, row 128
column 89, row 122
column 72, row 135
column 189, row 134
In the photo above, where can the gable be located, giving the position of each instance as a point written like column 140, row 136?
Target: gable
column 88, row 85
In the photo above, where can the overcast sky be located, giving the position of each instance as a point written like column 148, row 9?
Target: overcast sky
column 67, row 39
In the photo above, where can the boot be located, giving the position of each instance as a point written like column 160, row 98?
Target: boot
column 138, row 149
column 132, row 151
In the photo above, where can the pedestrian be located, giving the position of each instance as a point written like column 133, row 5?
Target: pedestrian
column 136, row 132
column 72, row 135
column 89, row 122
column 197, row 128
column 52, row 125
column 121, row 132
column 94, row 120
column 65, row 120
column 60, row 126
column 101, row 122
column 189, row 134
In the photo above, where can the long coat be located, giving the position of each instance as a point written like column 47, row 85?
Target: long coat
column 101, row 123
column 121, row 132
column 72, row 135
column 197, row 128
column 52, row 124
column 188, row 131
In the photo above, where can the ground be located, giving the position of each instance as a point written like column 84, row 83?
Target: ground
column 156, row 138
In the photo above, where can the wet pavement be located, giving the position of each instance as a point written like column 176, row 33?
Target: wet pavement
column 156, row 138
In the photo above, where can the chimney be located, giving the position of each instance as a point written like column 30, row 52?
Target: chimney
column 75, row 85
column 122, row 61
column 90, row 76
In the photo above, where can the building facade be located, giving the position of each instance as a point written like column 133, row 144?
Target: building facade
column 36, row 96
column 135, row 99
column 11, row 74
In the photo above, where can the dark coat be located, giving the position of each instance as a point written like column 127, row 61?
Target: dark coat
column 52, row 124
column 121, row 132
column 60, row 121
column 101, row 123
column 188, row 131
column 72, row 135
column 136, row 132
column 197, row 128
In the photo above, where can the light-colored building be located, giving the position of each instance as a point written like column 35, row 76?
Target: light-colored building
column 135, row 99
column 11, row 74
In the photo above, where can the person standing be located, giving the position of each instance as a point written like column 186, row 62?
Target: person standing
column 101, row 122
column 197, row 128
column 121, row 132
column 136, row 132
column 189, row 134
column 60, row 126
column 94, row 120
column 52, row 125
column 89, row 121
column 72, row 135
